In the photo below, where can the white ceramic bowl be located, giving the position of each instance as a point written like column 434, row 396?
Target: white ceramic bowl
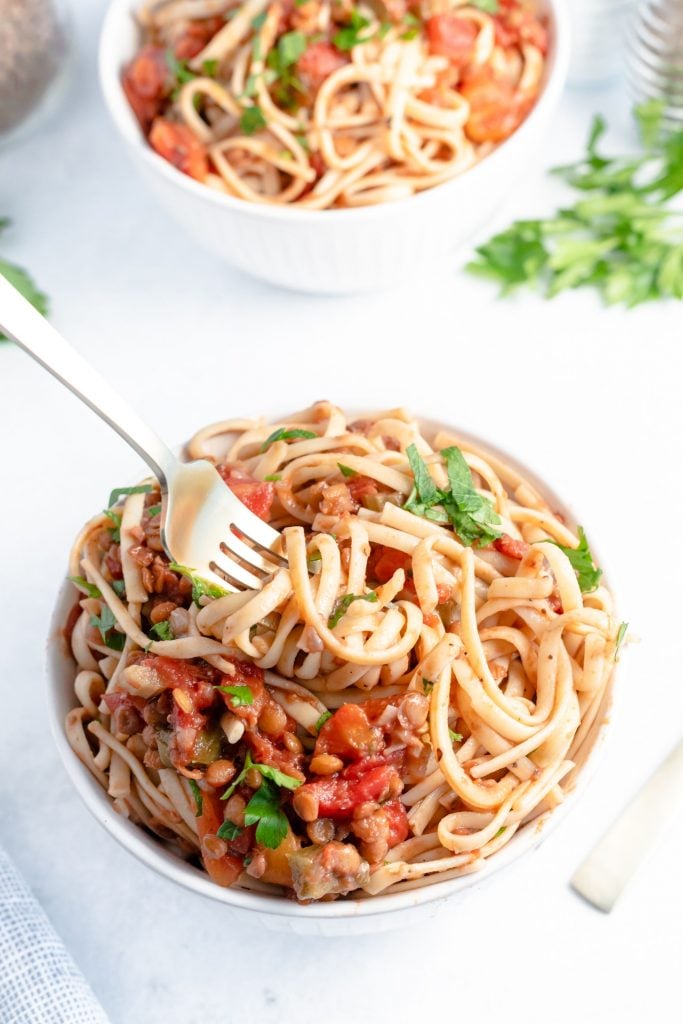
column 332, row 251
column 342, row 917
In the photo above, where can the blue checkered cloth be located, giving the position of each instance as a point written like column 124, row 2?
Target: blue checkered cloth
column 39, row 982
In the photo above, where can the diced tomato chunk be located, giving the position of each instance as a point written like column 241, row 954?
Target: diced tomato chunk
column 318, row 62
column 257, row 495
column 496, row 110
column 180, row 146
column 511, row 546
column 265, row 751
column 147, row 81
column 348, row 734
column 338, row 796
column 222, row 870
column 516, row 25
column 384, row 562
column 195, row 36
column 397, row 820
column 452, row 37
column 361, row 486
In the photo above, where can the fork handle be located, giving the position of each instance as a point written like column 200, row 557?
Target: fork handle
column 35, row 335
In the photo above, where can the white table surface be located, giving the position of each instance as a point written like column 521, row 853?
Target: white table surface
column 590, row 397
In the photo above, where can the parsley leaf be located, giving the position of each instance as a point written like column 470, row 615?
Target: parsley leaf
column 24, row 283
column 620, row 237
column 252, row 120
column 621, row 634
column 105, row 622
column 427, row 685
column 582, row 562
column 115, row 529
column 488, row 6
column 349, row 36
column 321, row 721
column 180, row 72
column 210, row 68
column 153, row 510
column 286, row 435
column 346, row 470
column 343, row 604
column 240, row 696
column 162, row 630
column 273, row 478
column 455, row 737
column 266, row 771
column 119, row 587
column 264, row 811
column 471, row 515
column 118, row 492
column 229, row 830
column 200, row 587
column 290, row 47
column 90, row 588
column 198, row 798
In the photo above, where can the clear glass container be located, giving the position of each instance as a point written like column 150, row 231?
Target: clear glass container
column 33, row 60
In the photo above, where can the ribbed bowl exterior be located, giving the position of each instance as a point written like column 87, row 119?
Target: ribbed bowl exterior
column 654, row 55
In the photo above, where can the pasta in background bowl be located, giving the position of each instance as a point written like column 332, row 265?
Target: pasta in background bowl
column 405, row 707
column 335, row 161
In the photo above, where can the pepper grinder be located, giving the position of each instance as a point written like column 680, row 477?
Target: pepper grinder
column 654, row 55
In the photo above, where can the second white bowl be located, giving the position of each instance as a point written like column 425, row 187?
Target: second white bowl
column 332, row 251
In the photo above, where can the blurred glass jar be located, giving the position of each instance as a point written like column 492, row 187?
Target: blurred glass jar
column 33, row 58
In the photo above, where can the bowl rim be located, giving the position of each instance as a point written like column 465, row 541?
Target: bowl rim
column 110, row 60
column 152, row 852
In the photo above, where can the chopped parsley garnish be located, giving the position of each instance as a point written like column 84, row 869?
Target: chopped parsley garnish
column 582, row 562
column 258, row 22
column 472, row 516
column 229, row 830
column 273, row 478
column 499, row 832
column 200, row 587
column 252, row 120
column 427, row 685
column 118, row 492
column 349, row 36
column 240, row 696
column 264, row 811
column 321, row 721
column 343, row 604
column 621, row 634
column 621, row 236
column 290, row 47
column 455, row 737
column 210, row 68
column 488, row 6
column 180, row 72
column 413, row 24
column 198, row 799
column 119, row 587
column 163, row 630
column 115, row 529
column 90, row 588
column 22, row 281
column 274, row 774
column 105, row 622
column 153, row 511
column 287, row 435
column 346, row 470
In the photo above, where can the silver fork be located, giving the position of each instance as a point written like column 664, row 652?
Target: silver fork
column 201, row 517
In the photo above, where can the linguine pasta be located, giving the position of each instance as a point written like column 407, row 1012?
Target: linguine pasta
column 416, row 685
column 324, row 103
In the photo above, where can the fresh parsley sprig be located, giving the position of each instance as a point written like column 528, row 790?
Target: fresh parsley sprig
column 620, row 237
column 240, row 696
column 345, row 602
column 472, row 516
column 105, row 623
column 321, row 721
column 198, row 799
column 287, row 435
column 582, row 562
column 267, row 771
column 90, row 589
column 162, row 631
column 200, row 587
column 119, row 492
column 22, row 281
